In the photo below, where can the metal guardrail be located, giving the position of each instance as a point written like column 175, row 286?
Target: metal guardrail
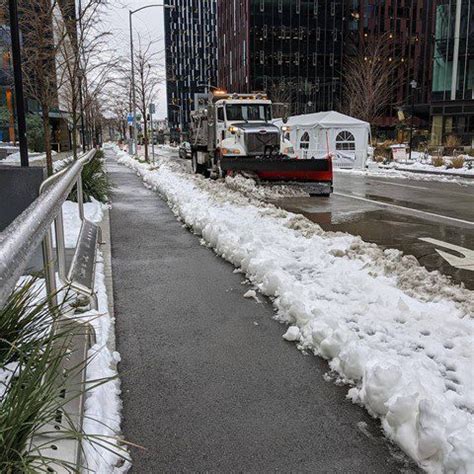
column 17, row 245
column 21, row 238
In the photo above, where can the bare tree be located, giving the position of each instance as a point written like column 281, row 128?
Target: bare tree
column 282, row 96
column 86, row 64
column 148, row 83
column 118, row 103
column 369, row 79
column 40, row 46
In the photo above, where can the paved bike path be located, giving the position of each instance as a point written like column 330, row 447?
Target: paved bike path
column 209, row 385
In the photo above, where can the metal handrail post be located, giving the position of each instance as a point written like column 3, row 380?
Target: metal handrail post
column 49, row 270
column 80, row 196
column 60, row 246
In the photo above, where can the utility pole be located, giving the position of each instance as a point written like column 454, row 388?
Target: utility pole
column 18, row 76
column 152, row 111
column 134, row 96
column 81, row 77
column 413, row 85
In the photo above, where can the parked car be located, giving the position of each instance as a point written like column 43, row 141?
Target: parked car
column 185, row 151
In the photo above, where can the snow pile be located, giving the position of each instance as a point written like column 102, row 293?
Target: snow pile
column 428, row 173
column 93, row 211
column 402, row 337
column 263, row 192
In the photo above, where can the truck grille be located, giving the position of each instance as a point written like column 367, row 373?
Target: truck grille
column 259, row 143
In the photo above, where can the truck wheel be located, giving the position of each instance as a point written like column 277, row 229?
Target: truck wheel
column 197, row 168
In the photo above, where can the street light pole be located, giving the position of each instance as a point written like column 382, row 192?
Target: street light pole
column 134, row 98
column 132, row 62
column 18, row 76
column 80, row 77
column 413, row 85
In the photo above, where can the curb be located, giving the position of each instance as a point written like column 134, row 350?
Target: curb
column 436, row 173
column 106, row 250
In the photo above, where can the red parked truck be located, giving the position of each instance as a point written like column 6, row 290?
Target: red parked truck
column 234, row 133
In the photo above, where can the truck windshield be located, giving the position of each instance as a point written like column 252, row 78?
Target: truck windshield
column 248, row 112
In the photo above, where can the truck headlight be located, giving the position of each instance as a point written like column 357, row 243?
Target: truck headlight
column 230, row 151
column 232, row 129
column 288, row 150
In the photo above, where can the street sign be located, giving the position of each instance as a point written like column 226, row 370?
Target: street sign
column 130, row 119
column 152, row 109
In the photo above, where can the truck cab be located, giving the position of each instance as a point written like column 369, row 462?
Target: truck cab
column 244, row 127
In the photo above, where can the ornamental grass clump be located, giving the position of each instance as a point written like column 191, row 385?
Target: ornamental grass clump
column 37, row 381
column 95, row 183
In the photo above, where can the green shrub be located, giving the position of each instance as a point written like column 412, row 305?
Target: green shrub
column 35, row 133
column 95, row 183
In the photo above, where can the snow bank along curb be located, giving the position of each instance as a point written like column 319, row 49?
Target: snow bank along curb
column 413, row 174
column 103, row 404
column 401, row 336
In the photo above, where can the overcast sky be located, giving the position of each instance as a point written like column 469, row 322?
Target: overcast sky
column 149, row 23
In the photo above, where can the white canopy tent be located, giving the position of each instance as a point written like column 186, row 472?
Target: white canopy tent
column 316, row 135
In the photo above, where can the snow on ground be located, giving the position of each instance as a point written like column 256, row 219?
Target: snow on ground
column 250, row 188
column 399, row 335
column 93, row 211
column 33, row 157
column 103, row 404
column 429, row 173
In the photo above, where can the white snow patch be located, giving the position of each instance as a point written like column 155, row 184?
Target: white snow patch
column 293, row 334
column 398, row 334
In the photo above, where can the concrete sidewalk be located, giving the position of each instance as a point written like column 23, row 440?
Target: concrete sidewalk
column 209, row 385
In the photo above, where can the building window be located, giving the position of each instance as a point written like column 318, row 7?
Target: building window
column 280, row 57
column 304, row 142
column 333, row 8
column 345, row 141
column 298, row 6
column 280, row 6
column 262, row 5
column 262, row 57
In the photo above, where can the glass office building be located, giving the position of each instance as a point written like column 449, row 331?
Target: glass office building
column 191, row 58
column 291, row 49
column 452, row 107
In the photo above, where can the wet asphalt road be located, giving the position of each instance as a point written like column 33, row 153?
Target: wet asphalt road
column 208, row 383
column 396, row 213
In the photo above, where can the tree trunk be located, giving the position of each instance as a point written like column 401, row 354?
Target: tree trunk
column 47, row 139
column 74, row 133
column 145, row 136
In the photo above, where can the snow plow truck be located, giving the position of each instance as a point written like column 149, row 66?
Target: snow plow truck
column 234, row 133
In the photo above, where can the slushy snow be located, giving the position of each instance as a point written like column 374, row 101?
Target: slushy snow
column 401, row 337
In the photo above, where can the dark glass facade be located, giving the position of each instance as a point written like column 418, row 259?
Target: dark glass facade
column 7, row 114
column 191, row 57
column 291, row 49
column 407, row 25
column 453, row 72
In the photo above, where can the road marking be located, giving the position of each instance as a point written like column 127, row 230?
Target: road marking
column 410, row 209
column 463, row 263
